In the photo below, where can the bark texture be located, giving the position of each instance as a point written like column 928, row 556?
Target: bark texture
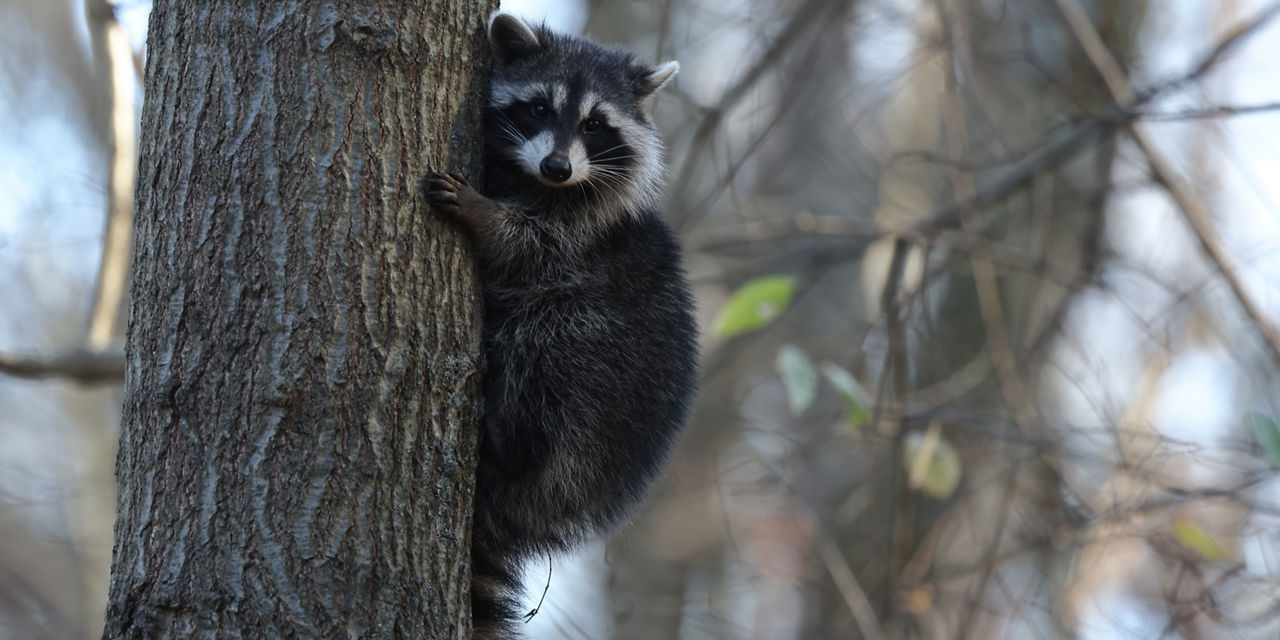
column 297, row 455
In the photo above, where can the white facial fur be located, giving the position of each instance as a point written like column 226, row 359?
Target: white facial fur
column 531, row 153
column 581, row 166
column 504, row 95
column 646, row 174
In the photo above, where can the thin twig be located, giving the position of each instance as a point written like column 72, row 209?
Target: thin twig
column 1234, row 37
column 855, row 598
column 1212, row 112
column 528, row 617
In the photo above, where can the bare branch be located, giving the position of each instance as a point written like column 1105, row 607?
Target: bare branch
column 81, row 365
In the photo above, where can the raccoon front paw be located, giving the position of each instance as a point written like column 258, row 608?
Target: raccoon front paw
column 447, row 192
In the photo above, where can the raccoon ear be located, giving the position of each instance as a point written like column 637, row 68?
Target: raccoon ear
column 511, row 38
column 657, row 77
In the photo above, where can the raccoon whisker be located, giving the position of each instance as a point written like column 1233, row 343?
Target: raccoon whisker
column 612, row 195
column 604, row 159
column 601, row 153
column 606, row 177
column 602, row 163
column 609, row 175
column 513, row 133
column 604, row 168
column 603, row 189
column 595, row 187
column 614, row 159
column 616, row 179
column 509, row 128
column 614, row 185
column 505, row 118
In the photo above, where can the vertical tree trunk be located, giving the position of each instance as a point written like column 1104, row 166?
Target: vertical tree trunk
column 297, row 455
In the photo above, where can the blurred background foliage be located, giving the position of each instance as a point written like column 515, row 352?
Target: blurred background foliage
column 989, row 291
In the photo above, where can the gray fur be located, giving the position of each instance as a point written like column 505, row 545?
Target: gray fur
column 589, row 331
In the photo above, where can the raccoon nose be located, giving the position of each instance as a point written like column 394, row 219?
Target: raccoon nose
column 556, row 167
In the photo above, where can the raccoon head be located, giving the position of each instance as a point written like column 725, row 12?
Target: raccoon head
column 569, row 115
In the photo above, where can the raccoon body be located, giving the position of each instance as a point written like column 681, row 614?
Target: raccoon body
column 589, row 332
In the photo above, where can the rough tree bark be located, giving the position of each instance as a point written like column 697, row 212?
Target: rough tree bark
column 297, row 452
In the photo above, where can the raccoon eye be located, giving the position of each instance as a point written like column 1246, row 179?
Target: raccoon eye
column 539, row 110
column 591, row 126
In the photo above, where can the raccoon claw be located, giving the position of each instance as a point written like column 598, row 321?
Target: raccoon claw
column 443, row 191
column 454, row 179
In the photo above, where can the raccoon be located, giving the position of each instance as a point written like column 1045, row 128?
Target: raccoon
column 589, row 333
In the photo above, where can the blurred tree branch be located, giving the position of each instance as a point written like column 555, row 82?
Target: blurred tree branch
column 1057, row 148
column 81, row 365
column 115, row 80
column 1195, row 212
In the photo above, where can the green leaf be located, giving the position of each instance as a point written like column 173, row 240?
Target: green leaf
column 940, row 476
column 754, row 305
column 1199, row 542
column 852, row 393
column 799, row 376
column 1268, row 434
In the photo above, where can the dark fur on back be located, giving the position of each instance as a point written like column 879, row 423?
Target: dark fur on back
column 589, row 332
column 589, row 382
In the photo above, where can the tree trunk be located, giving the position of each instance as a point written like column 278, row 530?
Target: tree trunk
column 297, row 455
